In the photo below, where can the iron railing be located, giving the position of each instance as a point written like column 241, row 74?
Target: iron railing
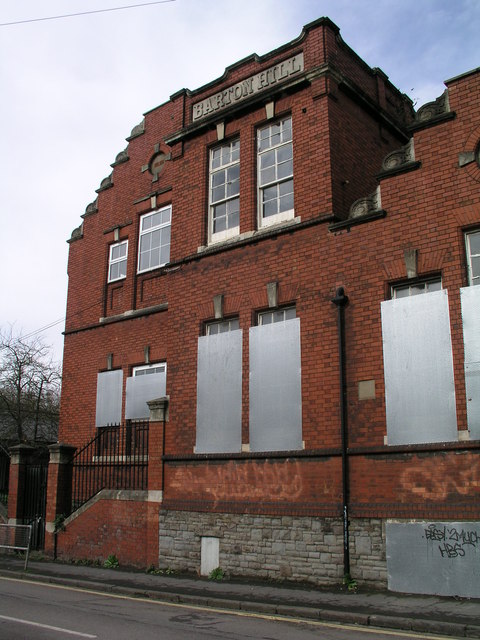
column 35, row 501
column 4, row 476
column 117, row 458
column 16, row 537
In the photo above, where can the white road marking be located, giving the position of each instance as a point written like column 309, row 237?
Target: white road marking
column 235, row 612
column 47, row 626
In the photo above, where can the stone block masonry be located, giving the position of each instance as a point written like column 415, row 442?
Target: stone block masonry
column 298, row 549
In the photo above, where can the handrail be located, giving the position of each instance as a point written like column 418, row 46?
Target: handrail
column 116, row 458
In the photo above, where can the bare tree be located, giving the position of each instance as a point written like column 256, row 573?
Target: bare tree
column 29, row 389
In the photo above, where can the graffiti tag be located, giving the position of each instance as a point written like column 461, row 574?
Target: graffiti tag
column 454, row 542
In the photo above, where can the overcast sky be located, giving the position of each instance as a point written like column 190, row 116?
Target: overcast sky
column 72, row 89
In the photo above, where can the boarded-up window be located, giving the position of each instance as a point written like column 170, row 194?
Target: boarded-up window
column 418, row 367
column 147, row 383
column 470, row 297
column 109, row 398
column 441, row 558
column 275, row 387
column 219, row 393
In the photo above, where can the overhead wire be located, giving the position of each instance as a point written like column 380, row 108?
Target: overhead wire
column 59, row 17
column 84, row 13
column 42, row 329
column 53, row 323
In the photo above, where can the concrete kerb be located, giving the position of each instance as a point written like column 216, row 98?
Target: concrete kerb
column 231, row 602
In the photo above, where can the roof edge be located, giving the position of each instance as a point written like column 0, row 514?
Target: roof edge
column 462, row 75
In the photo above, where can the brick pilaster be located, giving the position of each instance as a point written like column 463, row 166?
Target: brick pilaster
column 20, row 455
column 59, row 490
column 156, row 440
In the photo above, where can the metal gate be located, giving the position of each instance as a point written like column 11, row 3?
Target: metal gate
column 4, row 475
column 35, row 501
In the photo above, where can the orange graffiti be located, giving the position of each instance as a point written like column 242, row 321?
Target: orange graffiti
column 430, row 483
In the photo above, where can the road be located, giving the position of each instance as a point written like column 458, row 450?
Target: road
column 46, row 612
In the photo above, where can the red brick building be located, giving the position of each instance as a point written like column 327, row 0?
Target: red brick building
column 254, row 259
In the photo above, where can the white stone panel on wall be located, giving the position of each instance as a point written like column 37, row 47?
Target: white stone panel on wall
column 210, row 553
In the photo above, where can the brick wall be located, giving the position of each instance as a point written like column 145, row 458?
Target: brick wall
column 293, row 486
column 305, row 263
column 114, row 523
column 345, row 121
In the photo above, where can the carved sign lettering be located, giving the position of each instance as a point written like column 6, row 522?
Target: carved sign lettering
column 248, row 87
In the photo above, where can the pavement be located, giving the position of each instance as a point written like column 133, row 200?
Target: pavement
column 457, row 617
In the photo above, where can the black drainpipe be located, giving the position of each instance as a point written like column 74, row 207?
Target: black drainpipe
column 341, row 301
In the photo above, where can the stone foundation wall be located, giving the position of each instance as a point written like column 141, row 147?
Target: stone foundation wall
column 368, row 562
column 300, row 549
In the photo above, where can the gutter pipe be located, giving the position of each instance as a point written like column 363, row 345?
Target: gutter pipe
column 341, row 301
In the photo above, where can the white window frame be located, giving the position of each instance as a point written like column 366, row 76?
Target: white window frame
column 286, row 141
column 428, row 285
column 143, row 233
column 472, row 279
column 221, row 326
column 221, row 162
column 117, row 261
column 145, row 369
column 141, row 387
column 277, row 315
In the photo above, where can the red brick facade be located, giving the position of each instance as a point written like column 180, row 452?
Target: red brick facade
column 346, row 119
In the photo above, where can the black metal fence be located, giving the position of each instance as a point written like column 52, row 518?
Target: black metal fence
column 117, row 458
column 4, row 476
column 35, row 500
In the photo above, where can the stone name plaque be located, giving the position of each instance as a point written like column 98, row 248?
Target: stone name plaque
column 248, row 87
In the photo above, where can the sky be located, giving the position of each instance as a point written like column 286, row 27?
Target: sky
column 72, row 89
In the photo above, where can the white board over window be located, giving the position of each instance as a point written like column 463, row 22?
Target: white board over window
column 219, row 393
column 418, row 368
column 141, row 389
column 470, row 297
column 440, row 558
column 275, row 387
column 109, row 398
